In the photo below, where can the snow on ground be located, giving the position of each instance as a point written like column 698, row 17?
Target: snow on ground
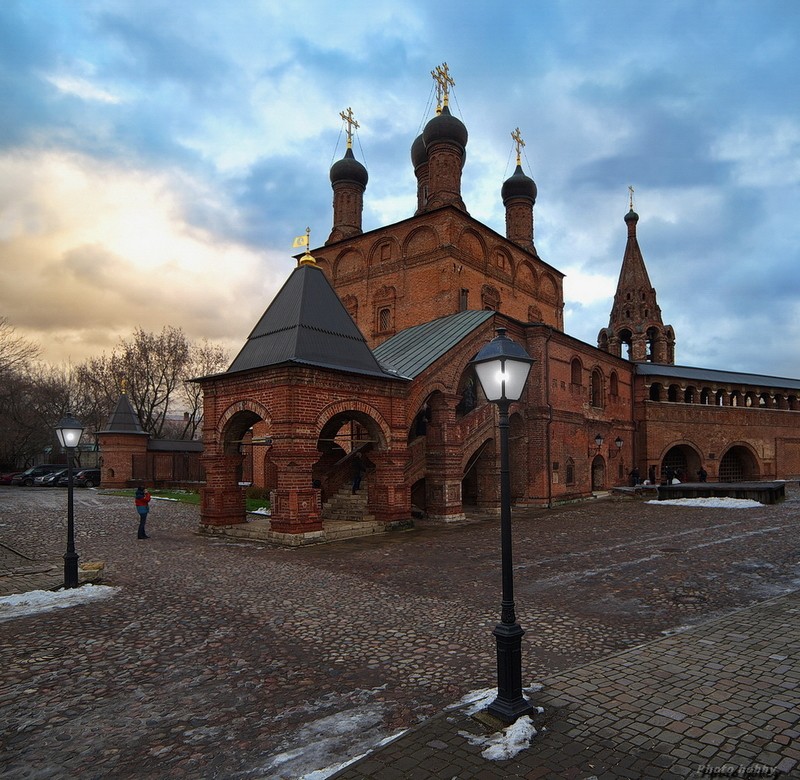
column 711, row 503
column 332, row 742
column 36, row 601
column 336, row 741
column 504, row 744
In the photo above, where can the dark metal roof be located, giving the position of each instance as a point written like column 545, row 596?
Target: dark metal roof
column 307, row 324
column 411, row 351
column 123, row 419
column 713, row 375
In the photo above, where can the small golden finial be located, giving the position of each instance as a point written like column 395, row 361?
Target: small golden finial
column 305, row 241
column 517, row 136
column 351, row 125
column 630, row 189
column 441, row 75
column 124, row 386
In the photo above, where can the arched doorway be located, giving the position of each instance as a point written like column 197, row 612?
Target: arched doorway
column 738, row 464
column 598, row 473
column 345, row 443
column 684, row 462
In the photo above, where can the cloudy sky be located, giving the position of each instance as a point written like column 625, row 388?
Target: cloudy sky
column 157, row 158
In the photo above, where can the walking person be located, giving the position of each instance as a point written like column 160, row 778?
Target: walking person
column 142, row 502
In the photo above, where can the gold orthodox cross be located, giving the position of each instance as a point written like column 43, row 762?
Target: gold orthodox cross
column 517, row 136
column 630, row 189
column 351, row 125
column 441, row 75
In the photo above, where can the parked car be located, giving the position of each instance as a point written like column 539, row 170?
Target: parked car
column 51, row 479
column 26, row 478
column 5, row 479
column 87, row 478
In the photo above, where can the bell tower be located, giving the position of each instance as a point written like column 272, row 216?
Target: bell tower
column 635, row 319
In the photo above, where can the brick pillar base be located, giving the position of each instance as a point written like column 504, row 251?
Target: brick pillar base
column 296, row 510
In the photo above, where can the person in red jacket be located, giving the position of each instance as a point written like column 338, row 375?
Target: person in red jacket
column 142, row 502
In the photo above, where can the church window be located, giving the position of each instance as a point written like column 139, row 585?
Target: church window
column 672, row 393
column 655, row 391
column 576, row 371
column 570, row 471
column 463, row 302
column 490, row 298
column 613, row 384
column 384, row 319
column 596, row 389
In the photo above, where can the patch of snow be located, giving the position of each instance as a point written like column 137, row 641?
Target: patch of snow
column 722, row 502
column 36, row 601
column 504, row 744
column 163, row 498
column 261, row 511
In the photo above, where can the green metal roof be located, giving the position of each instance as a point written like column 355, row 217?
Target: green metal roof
column 411, row 351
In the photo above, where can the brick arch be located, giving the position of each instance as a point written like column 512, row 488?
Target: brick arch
column 548, row 289
column 478, row 444
column 349, row 262
column 360, row 408
column 525, row 277
column 377, row 253
column 421, row 395
column 472, row 243
column 238, row 418
column 421, row 241
column 502, row 261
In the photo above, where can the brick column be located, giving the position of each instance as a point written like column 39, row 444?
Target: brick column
column 389, row 495
column 296, row 505
column 443, row 455
column 117, row 451
column 222, row 500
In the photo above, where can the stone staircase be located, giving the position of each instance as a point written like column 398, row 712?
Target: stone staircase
column 345, row 505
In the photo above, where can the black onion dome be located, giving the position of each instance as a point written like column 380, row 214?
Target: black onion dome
column 349, row 169
column 518, row 185
column 445, row 127
column 419, row 156
column 632, row 216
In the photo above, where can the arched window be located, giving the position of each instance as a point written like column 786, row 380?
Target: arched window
column 655, row 391
column 596, row 389
column 613, row 384
column 384, row 319
column 570, row 471
column 576, row 372
column 673, row 393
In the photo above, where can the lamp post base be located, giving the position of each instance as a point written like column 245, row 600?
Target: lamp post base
column 71, row 570
column 510, row 704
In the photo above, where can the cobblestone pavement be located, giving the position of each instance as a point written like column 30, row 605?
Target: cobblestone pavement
column 228, row 660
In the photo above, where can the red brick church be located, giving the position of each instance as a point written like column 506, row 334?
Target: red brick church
column 361, row 363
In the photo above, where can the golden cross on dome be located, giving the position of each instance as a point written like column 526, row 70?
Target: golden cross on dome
column 351, row 125
column 124, row 386
column 517, row 136
column 630, row 189
column 441, row 75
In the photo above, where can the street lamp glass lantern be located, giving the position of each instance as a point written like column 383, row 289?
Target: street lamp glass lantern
column 618, row 441
column 502, row 367
column 598, row 440
column 69, row 432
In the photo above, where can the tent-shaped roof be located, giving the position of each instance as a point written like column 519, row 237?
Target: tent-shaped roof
column 412, row 350
column 123, row 419
column 307, row 324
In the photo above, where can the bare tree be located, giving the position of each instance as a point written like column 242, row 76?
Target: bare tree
column 205, row 358
column 155, row 369
column 16, row 352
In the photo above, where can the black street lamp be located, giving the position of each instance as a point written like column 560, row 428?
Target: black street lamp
column 69, row 432
column 502, row 367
